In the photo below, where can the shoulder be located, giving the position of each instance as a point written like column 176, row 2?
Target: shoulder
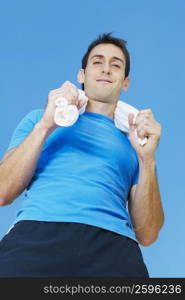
column 35, row 114
column 30, row 119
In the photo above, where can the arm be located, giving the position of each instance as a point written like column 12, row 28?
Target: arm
column 145, row 205
column 18, row 166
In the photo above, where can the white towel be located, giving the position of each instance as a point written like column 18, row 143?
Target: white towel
column 121, row 113
column 67, row 115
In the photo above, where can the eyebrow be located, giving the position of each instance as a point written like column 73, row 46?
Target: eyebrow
column 102, row 56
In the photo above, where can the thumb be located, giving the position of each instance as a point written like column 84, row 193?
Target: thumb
column 132, row 127
column 131, row 124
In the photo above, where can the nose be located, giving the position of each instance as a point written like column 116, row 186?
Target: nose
column 106, row 68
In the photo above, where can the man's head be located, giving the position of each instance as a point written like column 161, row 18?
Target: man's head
column 107, row 58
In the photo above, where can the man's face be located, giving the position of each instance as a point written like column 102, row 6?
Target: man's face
column 104, row 76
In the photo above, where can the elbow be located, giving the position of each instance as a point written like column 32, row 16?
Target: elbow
column 8, row 199
column 147, row 240
column 4, row 203
column 8, row 195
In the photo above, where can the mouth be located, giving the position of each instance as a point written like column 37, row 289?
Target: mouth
column 104, row 80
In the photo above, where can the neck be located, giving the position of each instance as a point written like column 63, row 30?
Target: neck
column 101, row 108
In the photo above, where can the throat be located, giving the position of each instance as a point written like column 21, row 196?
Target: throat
column 103, row 108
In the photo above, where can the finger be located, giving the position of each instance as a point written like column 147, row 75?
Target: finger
column 61, row 88
column 144, row 118
column 80, row 104
column 56, row 94
column 66, row 83
column 146, row 111
column 133, row 138
column 59, row 100
column 131, row 121
column 142, row 133
column 146, row 130
column 145, row 122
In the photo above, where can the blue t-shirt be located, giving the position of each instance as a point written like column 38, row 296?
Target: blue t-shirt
column 84, row 174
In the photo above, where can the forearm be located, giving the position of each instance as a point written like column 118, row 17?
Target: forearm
column 18, row 169
column 147, row 211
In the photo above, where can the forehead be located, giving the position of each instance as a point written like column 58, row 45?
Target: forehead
column 107, row 50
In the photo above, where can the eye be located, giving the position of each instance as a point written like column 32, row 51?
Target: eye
column 117, row 66
column 96, row 62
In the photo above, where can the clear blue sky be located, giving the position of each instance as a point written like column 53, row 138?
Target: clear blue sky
column 42, row 43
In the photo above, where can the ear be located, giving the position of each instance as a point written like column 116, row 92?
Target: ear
column 81, row 76
column 126, row 84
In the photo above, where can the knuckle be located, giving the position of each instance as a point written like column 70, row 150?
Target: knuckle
column 148, row 111
column 66, row 84
column 145, row 111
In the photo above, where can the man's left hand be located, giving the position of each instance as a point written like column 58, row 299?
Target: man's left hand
column 145, row 126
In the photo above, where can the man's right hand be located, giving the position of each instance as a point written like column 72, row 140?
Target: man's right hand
column 68, row 91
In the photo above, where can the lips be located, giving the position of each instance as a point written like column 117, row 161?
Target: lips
column 104, row 80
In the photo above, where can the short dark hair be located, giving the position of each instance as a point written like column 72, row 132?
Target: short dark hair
column 107, row 38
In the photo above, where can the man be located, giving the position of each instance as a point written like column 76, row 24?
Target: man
column 74, row 221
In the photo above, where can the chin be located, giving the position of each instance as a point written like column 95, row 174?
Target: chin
column 103, row 98
column 100, row 95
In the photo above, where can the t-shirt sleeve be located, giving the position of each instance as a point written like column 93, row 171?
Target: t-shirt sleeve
column 24, row 128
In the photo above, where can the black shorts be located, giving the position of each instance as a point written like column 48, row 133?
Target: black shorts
column 65, row 249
